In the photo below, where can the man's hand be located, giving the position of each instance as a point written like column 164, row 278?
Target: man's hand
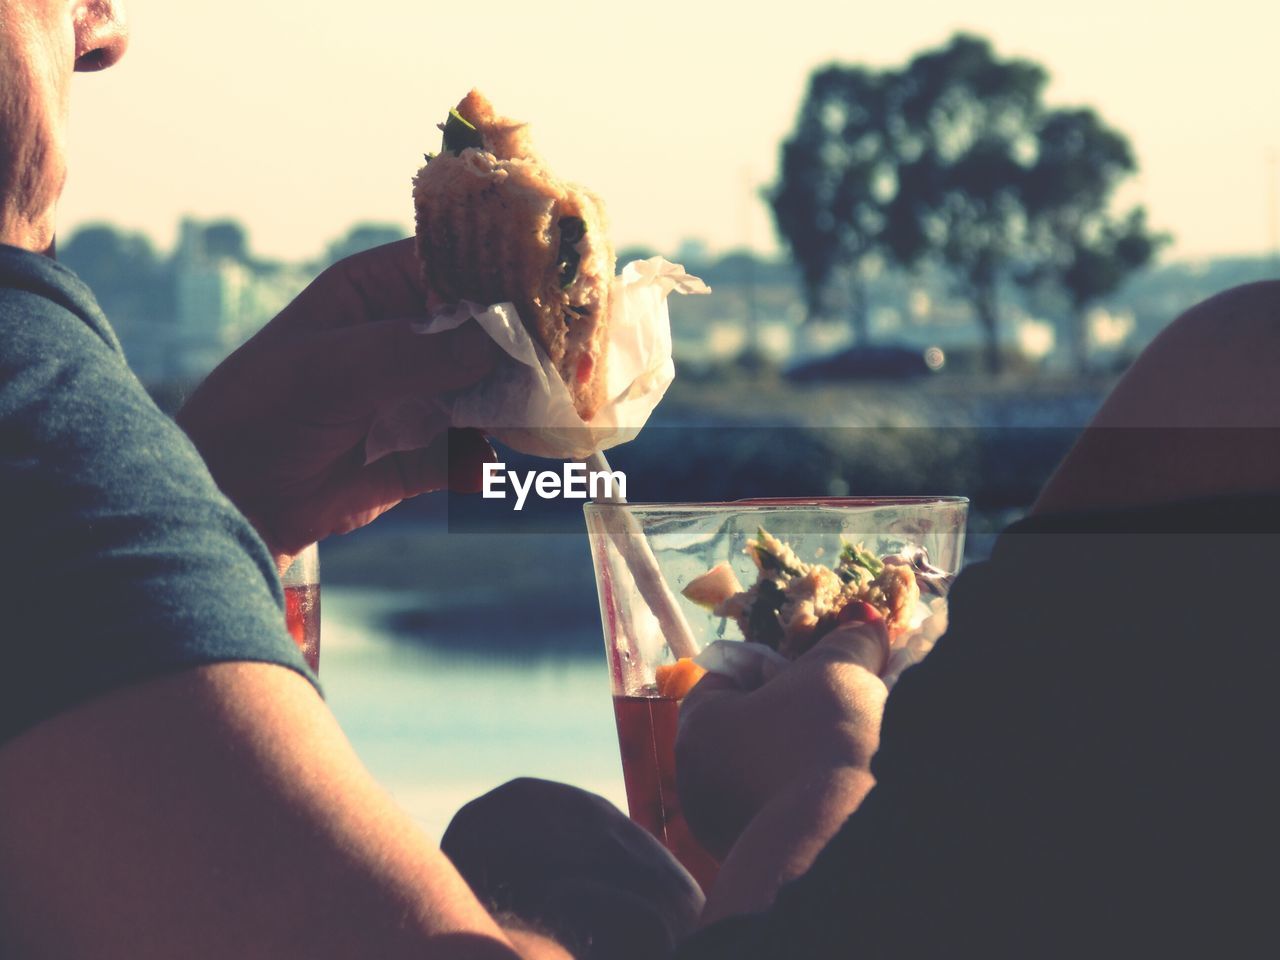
column 282, row 421
column 739, row 749
column 768, row 775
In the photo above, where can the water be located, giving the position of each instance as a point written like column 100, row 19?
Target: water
column 440, row 727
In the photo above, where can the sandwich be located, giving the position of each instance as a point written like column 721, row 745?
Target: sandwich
column 793, row 604
column 494, row 225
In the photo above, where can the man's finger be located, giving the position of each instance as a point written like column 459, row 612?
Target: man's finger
column 711, row 688
column 434, row 363
column 359, row 494
column 866, row 644
column 378, row 284
column 357, row 371
column 468, row 451
column 713, row 681
column 453, row 460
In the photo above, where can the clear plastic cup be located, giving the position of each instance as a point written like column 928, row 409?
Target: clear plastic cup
column 645, row 555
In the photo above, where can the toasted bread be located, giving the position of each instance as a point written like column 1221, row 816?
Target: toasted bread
column 494, row 225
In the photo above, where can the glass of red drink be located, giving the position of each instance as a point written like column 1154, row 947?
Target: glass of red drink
column 645, row 555
column 302, row 603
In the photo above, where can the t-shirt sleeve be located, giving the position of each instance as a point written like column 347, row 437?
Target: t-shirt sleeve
column 122, row 560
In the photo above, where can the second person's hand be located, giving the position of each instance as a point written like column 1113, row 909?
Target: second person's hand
column 738, row 749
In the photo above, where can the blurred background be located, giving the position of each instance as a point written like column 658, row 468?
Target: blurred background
column 934, row 239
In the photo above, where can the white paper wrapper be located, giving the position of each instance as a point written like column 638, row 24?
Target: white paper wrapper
column 751, row 665
column 524, row 403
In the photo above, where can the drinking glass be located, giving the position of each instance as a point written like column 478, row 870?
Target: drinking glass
column 645, row 554
column 302, row 603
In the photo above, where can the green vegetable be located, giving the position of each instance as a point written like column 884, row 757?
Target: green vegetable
column 850, row 574
column 573, row 311
column 762, row 622
column 459, row 134
column 769, row 561
column 572, row 229
column 852, row 557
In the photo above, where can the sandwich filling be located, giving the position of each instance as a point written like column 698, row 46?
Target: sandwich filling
column 793, row 604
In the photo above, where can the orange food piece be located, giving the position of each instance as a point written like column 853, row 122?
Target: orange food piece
column 675, row 680
column 714, row 587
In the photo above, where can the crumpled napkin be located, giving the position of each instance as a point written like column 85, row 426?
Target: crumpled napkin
column 749, row 665
column 525, row 404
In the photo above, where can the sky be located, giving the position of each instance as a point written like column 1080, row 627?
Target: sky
column 301, row 118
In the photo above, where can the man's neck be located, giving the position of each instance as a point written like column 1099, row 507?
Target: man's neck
column 34, row 235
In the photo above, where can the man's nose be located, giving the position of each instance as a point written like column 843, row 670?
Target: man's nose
column 102, row 35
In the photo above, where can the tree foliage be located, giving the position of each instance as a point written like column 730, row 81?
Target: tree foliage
column 1082, row 248
column 828, row 203
column 954, row 160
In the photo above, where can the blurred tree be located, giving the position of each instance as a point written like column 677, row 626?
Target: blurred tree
column 1083, row 249
column 954, row 159
column 361, row 237
column 693, row 252
column 837, row 173
column 965, row 129
column 131, row 282
column 804, row 219
column 627, row 254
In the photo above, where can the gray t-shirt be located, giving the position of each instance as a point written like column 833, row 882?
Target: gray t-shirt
column 120, row 560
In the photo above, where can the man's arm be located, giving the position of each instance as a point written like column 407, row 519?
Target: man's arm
column 1195, row 416
column 217, row 812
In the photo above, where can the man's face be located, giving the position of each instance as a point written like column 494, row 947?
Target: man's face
column 41, row 43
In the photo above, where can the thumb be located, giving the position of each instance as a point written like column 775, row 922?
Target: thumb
column 866, row 644
column 712, row 688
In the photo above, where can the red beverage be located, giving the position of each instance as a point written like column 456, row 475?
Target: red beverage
column 302, row 616
column 647, row 736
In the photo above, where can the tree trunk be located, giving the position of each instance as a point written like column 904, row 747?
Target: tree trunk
column 814, row 301
column 858, row 309
column 986, row 306
column 1080, row 340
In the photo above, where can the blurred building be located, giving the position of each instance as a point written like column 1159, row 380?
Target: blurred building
column 179, row 315
column 757, row 312
column 221, row 296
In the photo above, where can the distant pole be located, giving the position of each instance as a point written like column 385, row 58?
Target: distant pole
column 748, row 195
column 1273, row 205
